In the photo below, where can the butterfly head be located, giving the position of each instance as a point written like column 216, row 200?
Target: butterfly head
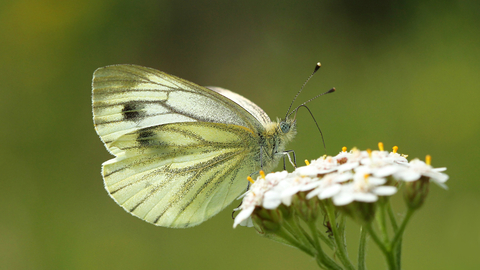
column 287, row 128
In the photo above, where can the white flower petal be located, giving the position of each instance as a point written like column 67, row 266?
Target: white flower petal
column 342, row 199
column 375, row 181
column 385, row 190
column 311, row 185
column 287, row 201
column 386, row 171
column 307, row 171
column 330, row 191
column 438, row 177
column 442, row 185
column 313, row 193
column 342, row 177
column 347, row 166
column 271, row 200
column 244, row 214
column 290, row 191
column 408, row 176
column 365, row 197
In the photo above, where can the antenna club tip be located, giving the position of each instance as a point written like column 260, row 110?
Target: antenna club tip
column 332, row 90
column 317, row 67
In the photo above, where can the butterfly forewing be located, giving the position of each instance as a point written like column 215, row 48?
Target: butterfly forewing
column 128, row 97
column 249, row 106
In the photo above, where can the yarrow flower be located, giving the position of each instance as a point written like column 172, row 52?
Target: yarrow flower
column 353, row 184
column 417, row 168
column 354, row 176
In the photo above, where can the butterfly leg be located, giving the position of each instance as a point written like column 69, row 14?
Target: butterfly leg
column 287, row 153
column 235, row 210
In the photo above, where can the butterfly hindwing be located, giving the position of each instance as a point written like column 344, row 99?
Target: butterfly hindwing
column 178, row 175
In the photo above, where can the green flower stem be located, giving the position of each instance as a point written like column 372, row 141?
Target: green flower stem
column 321, row 256
column 398, row 254
column 342, row 252
column 398, row 248
column 341, row 228
column 382, row 222
column 321, row 265
column 292, row 226
column 391, row 216
column 362, row 249
column 399, row 233
column 388, row 255
column 326, row 240
column 285, row 235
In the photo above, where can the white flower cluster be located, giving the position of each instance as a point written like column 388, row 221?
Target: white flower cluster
column 349, row 176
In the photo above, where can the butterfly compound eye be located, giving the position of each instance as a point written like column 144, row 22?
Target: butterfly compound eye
column 285, row 127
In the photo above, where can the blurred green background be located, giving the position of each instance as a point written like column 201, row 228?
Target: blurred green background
column 407, row 74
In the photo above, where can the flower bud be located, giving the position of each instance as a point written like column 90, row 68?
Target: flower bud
column 307, row 209
column 416, row 192
column 268, row 220
column 362, row 212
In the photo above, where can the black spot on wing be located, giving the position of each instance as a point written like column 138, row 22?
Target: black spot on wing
column 133, row 111
column 144, row 137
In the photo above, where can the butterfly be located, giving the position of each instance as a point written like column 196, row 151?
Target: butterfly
column 182, row 152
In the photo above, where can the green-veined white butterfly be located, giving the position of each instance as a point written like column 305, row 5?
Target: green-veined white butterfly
column 182, row 151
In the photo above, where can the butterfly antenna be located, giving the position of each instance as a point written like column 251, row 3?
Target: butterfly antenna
column 314, row 120
column 328, row 92
column 317, row 67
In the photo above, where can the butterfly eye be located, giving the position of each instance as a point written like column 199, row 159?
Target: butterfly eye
column 285, row 127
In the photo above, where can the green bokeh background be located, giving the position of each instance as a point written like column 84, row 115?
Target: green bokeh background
column 407, row 74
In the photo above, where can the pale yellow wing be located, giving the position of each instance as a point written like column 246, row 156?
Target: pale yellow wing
column 129, row 97
column 179, row 175
column 249, row 106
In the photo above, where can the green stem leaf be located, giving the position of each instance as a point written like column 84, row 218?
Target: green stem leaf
column 391, row 216
column 382, row 221
column 282, row 233
column 362, row 249
column 321, row 256
column 386, row 252
column 401, row 229
column 342, row 251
